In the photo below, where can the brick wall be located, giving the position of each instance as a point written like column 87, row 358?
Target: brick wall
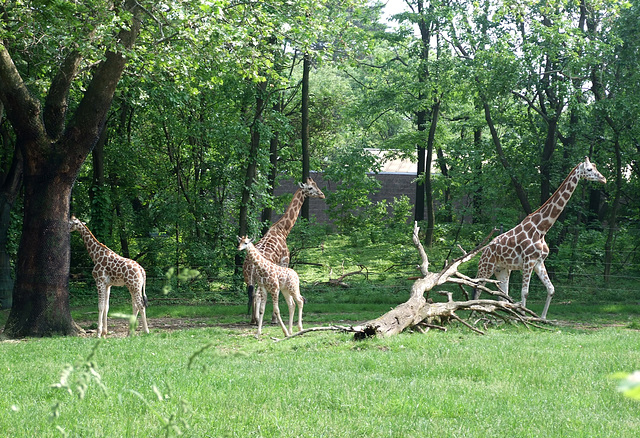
column 393, row 185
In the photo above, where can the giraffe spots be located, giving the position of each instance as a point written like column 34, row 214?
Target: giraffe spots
column 545, row 225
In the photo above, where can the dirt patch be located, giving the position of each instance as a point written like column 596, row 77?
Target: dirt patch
column 119, row 328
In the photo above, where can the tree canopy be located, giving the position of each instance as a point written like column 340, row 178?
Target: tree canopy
column 166, row 126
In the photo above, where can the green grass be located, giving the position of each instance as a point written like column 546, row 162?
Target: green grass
column 513, row 381
column 222, row 382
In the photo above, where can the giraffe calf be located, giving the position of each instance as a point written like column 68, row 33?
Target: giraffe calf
column 272, row 278
column 113, row 270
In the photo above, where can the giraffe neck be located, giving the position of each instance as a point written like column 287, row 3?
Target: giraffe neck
column 288, row 219
column 94, row 247
column 548, row 213
column 255, row 256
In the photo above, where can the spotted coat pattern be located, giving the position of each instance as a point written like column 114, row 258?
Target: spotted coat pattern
column 273, row 244
column 523, row 248
column 273, row 278
column 110, row 269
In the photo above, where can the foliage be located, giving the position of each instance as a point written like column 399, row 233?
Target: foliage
column 629, row 384
column 177, row 139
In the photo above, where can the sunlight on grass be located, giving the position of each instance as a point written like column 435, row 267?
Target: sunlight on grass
column 221, row 382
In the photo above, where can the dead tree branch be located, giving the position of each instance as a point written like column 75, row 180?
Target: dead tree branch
column 418, row 311
column 339, row 281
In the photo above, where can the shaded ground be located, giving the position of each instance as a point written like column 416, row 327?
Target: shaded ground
column 118, row 328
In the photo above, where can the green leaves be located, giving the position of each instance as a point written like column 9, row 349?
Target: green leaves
column 629, row 384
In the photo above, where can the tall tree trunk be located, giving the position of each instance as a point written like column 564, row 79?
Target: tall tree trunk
column 41, row 298
column 448, row 208
column 98, row 193
column 252, row 168
column 424, row 170
column 520, row 193
column 428, row 188
column 421, row 171
column 53, row 155
column 306, row 67
column 545, row 159
column 613, row 215
column 8, row 194
column 477, row 195
column 273, row 172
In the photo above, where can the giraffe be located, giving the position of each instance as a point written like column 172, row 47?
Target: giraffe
column 273, row 244
column 523, row 248
column 272, row 278
column 113, row 270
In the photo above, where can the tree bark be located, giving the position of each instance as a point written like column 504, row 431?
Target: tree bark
column 419, row 310
column 252, row 168
column 613, row 216
column 421, row 171
column 53, row 155
column 428, row 187
column 8, row 195
column 520, row 192
column 306, row 68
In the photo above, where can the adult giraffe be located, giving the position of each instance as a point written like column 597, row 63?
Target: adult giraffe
column 273, row 245
column 523, row 247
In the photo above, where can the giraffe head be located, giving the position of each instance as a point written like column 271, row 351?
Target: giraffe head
column 311, row 190
column 243, row 243
column 75, row 224
column 588, row 171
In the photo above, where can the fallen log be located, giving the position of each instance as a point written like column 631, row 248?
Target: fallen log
column 420, row 311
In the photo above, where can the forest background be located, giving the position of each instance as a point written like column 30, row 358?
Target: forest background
column 219, row 101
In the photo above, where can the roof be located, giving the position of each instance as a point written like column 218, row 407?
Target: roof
column 394, row 165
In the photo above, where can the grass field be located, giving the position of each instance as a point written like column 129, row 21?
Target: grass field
column 219, row 381
column 202, row 373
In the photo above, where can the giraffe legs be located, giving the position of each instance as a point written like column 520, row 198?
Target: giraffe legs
column 103, row 308
column 260, row 297
column 541, row 270
column 276, row 311
column 502, row 275
column 292, row 299
column 143, row 316
column 526, row 280
column 139, row 307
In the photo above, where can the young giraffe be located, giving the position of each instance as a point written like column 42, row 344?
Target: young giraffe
column 523, row 248
column 273, row 244
column 272, row 278
column 113, row 270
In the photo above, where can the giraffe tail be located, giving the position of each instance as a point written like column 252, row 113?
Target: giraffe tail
column 250, row 288
column 145, row 301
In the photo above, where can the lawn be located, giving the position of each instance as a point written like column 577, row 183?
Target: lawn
column 202, row 373
column 219, row 380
